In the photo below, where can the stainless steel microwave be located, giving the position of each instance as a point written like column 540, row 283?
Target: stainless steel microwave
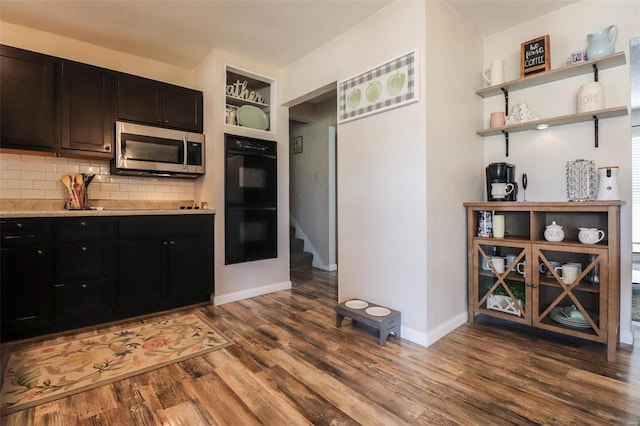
column 154, row 151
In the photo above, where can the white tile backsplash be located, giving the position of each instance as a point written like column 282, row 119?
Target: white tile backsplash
column 34, row 176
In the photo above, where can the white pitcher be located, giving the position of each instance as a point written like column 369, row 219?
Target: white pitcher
column 495, row 71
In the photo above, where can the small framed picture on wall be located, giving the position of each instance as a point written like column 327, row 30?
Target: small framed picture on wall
column 297, row 145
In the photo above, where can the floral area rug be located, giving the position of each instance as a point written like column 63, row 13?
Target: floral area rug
column 33, row 377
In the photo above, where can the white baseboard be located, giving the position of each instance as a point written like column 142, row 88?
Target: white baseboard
column 414, row 336
column 429, row 338
column 251, row 292
column 445, row 328
column 328, row 268
column 626, row 336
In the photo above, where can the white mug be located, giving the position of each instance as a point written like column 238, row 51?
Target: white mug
column 544, row 270
column 498, row 264
column 520, row 267
column 501, row 190
column 510, row 259
column 495, row 71
column 569, row 272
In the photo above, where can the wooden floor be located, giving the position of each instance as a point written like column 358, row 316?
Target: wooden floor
column 290, row 365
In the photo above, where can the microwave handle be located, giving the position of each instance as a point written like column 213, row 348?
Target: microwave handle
column 184, row 150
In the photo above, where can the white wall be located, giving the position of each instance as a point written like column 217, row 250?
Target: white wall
column 234, row 282
column 403, row 174
column 63, row 47
column 454, row 161
column 381, row 167
column 543, row 155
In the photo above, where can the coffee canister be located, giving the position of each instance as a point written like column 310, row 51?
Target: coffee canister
column 581, row 180
column 590, row 97
column 485, row 227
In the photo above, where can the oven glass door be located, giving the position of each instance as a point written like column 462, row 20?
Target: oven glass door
column 251, row 180
column 152, row 149
column 251, row 234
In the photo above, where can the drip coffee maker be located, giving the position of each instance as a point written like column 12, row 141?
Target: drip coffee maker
column 504, row 173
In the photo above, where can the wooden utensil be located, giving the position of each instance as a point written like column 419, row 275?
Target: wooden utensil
column 66, row 181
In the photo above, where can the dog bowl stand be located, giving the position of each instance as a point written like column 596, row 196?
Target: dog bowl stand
column 388, row 324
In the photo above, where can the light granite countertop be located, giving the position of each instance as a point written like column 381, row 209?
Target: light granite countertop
column 53, row 208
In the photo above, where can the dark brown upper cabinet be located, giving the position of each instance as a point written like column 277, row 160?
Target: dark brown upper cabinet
column 161, row 104
column 28, row 105
column 88, row 110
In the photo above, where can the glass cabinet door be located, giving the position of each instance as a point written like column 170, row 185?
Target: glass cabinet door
column 501, row 278
column 567, row 294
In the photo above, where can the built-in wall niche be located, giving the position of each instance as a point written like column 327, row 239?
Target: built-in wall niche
column 248, row 100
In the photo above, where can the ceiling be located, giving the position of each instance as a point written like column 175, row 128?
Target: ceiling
column 271, row 32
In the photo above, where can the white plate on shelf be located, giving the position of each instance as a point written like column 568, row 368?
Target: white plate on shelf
column 378, row 311
column 254, row 117
column 356, row 304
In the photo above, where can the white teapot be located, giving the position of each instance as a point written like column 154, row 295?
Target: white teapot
column 590, row 235
column 554, row 232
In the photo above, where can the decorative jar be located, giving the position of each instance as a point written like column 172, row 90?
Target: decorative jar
column 581, row 180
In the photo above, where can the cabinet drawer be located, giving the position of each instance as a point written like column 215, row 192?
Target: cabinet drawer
column 85, row 260
column 85, row 299
column 84, row 229
column 24, row 232
column 164, row 226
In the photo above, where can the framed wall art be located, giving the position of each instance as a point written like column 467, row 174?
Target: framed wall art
column 297, row 145
column 535, row 56
column 390, row 85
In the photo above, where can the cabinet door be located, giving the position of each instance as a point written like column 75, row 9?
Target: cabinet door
column 27, row 286
column 182, row 108
column 190, row 270
column 568, row 304
column 142, row 274
column 84, row 260
column 88, row 110
column 502, row 280
column 27, row 104
column 139, row 99
column 83, row 301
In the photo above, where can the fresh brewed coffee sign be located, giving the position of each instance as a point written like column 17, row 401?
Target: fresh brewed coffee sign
column 535, row 56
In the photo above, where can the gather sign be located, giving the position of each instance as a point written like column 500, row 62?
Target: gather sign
column 535, row 56
column 240, row 90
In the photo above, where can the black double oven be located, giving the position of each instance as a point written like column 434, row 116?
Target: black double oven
column 251, row 225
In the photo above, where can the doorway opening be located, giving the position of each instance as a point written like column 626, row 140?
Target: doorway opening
column 313, row 182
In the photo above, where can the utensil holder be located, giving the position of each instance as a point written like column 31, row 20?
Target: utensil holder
column 77, row 194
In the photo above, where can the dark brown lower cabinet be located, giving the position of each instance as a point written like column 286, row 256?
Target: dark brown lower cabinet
column 85, row 270
column 164, row 261
column 27, row 284
column 63, row 273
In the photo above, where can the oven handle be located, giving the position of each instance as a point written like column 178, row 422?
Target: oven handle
column 185, row 153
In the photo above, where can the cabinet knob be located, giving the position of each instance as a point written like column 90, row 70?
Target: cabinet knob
column 84, row 286
column 172, row 242
column 84, row 248
column 83, row 223
column 107, row 148
column 40, row 252
column 165, row 243
column 19, row 225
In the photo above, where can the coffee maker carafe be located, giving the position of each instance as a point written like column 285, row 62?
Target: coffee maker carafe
column 504, row 173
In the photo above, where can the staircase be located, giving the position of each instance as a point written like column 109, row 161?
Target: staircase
column 299, row 257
